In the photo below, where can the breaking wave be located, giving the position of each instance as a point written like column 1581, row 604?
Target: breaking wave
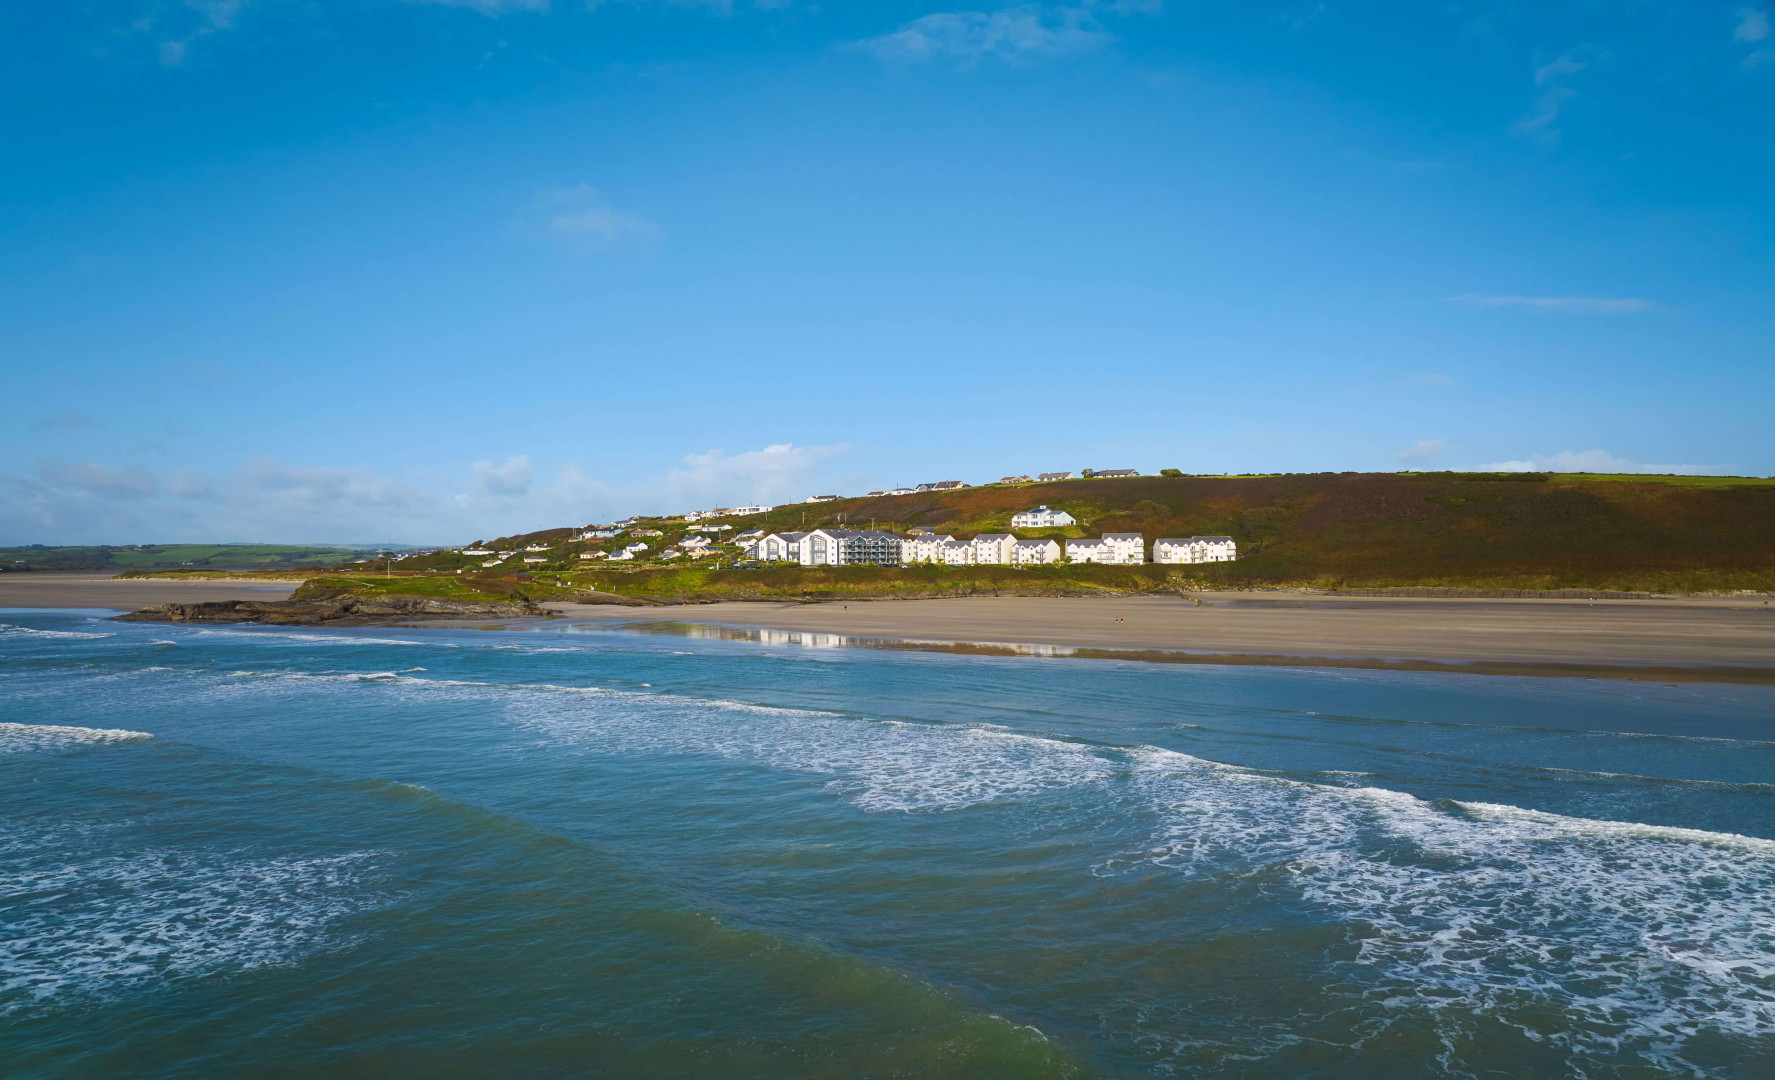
column 9, row 628
column 1642, row 936
column 24, row 738
column 112, row 923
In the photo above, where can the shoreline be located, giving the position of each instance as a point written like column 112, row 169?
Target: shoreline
column 1716, row 639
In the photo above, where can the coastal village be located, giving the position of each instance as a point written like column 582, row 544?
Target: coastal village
column 714, row 534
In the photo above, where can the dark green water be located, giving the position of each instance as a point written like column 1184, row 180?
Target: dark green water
column 459, row 853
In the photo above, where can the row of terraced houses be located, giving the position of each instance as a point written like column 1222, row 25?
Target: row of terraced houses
column 873, row 547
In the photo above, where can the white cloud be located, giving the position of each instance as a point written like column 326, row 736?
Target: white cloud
column 1539, row 121
column 1593, row 305
column 579, row 215
column 172, row 53
column 1029, row 31
column 92, row 503
column 1421, row 452
column 1753, row 25
column 1558, row 69
column 1597, row 461
column 775, row 474
column 512, row 478
column 89, row 479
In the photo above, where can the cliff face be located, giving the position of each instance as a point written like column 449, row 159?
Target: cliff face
column 343, row 609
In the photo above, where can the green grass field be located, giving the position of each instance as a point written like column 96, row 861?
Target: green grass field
column 173, row 556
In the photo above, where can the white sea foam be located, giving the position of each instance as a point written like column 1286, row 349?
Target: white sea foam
column 318, row 639
column 8, row 628
column 25, row 738
column 1643, row 936
column 99, row 925
column 878, row 766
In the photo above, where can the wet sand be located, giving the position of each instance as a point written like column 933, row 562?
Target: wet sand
column 105, row 591
column 1684, row 639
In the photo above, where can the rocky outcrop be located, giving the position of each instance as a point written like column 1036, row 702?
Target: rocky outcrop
column 340, row 609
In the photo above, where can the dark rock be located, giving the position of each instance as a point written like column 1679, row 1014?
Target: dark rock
column 335, row 610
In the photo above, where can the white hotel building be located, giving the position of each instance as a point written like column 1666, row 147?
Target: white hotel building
column 1119, row 548
column 1035, row 552
column 1195, row 549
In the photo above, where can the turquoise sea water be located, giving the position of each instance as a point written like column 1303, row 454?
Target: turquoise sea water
column 573, row 851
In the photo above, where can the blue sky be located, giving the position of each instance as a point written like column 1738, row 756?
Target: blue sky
column 394, row 271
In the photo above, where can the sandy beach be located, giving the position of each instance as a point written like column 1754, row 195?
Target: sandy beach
column 105, row 591
column 1713, row 638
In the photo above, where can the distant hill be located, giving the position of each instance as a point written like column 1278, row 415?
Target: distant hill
column 1321, row 530
column 1517, row 530
column 175, row 557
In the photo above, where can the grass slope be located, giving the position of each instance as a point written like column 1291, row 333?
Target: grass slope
column 1325, row 530
column 169, row 556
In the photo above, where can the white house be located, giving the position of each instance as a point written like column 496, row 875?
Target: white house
column 993, row 549
column 690, row 542
column 779, row 547
column 923, row 547
column 621, row 556
column 477, row 551
column 1041, row 518
column 822, row 498
column 1021, row 479
column 903, row 491
column 1195, row 549
column 1109, row 548
column 594, row 554
column 742, row 510
column 599, row 532
column 534, row 559
column 1116, row 474
column 670, row 553
column 495, row 561
column 1035, row 552
column 943, row 485
column 1049, row 477
column 636, row 548
column 537, row 547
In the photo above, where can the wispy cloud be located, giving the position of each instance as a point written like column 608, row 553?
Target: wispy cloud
column 92, row 480
column 1597, row 461
column 580, row 216
column 512, row 478
column 83, row 502
column 1753, row 25
column 67, row 421
column 1541, row 121
column 1593, row 305
column 777, row 473
column 1025, row 32
column 491, row 7
column 1421, row 452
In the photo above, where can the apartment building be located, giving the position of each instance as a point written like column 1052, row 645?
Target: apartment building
column 1035, row 552
column 1121, row 548
column 993, row 549
column 923, row 547
column 850, row 547
column 1195, row 549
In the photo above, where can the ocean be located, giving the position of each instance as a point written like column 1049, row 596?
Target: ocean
column 657, row 852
